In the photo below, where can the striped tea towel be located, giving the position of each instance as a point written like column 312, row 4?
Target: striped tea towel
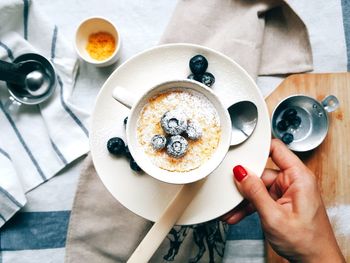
column 36, row 141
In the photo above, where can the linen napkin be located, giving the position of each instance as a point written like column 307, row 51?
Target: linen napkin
column 100, row 229
column 265, row 37
column 36, row 141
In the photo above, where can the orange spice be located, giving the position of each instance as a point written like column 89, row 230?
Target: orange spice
column 100, row 45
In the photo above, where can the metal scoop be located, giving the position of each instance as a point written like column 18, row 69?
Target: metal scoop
column 28, row 76
column 244, row 117
column 31, row 78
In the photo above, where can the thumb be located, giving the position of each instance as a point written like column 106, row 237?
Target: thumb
column 254, row 189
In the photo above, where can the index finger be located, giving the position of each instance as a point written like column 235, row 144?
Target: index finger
column 282, row 156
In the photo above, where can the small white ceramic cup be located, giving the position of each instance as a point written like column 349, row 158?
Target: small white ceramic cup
column 94, row 25
column 137, row 151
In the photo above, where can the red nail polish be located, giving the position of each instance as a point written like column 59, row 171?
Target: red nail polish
column 239, row 172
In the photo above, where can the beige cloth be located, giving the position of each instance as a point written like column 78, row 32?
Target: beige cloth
column 102, row 230
column 261, row 36
column 264, row 37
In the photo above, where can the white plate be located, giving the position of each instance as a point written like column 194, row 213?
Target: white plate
column 145, row 195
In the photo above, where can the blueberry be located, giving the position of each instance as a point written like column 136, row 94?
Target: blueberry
column 127, row 152
column 177, row 146
column 289, row 114
column 195, row 77
column 194, row 130
column 295, row 122
column 158, row 142
column 198, row 64
column 116, row 145
column 134, row 166
column 174, row 122
column 125, row 120
column 208, row 79
column 283, row 125
column 287, row 138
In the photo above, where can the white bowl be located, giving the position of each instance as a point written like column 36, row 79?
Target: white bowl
column 94, row 25
column 137, row 150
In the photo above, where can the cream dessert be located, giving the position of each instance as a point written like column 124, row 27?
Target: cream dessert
column 179, row 130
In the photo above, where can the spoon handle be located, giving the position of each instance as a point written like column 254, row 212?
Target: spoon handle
column 163, row 225
column 10, row 72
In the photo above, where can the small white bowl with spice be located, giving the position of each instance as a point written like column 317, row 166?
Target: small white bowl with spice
column 97, row 41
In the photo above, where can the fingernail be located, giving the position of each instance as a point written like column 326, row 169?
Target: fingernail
column 239, row 172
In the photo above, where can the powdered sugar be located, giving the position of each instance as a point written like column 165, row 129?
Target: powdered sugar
column 198, row 109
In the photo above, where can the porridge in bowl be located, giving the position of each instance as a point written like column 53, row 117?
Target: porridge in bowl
column 179, row 130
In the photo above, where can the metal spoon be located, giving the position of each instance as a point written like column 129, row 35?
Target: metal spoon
column 244, row 117
column 27, row 75
column 31, row 79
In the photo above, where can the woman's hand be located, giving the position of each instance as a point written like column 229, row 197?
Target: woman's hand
column 290, row 207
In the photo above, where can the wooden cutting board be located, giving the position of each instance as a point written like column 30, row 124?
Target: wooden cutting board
column 331, row 160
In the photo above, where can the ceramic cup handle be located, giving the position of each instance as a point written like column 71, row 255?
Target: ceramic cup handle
column 123, row 96
column 330, row 103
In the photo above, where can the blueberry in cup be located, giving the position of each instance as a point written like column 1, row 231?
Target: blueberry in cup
column 194, row 130
column 287, row 138
column 289, row 114
column 177, row 146
column 158, row 142
column 283, row 125
column 174, row 122
column 295, row 122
